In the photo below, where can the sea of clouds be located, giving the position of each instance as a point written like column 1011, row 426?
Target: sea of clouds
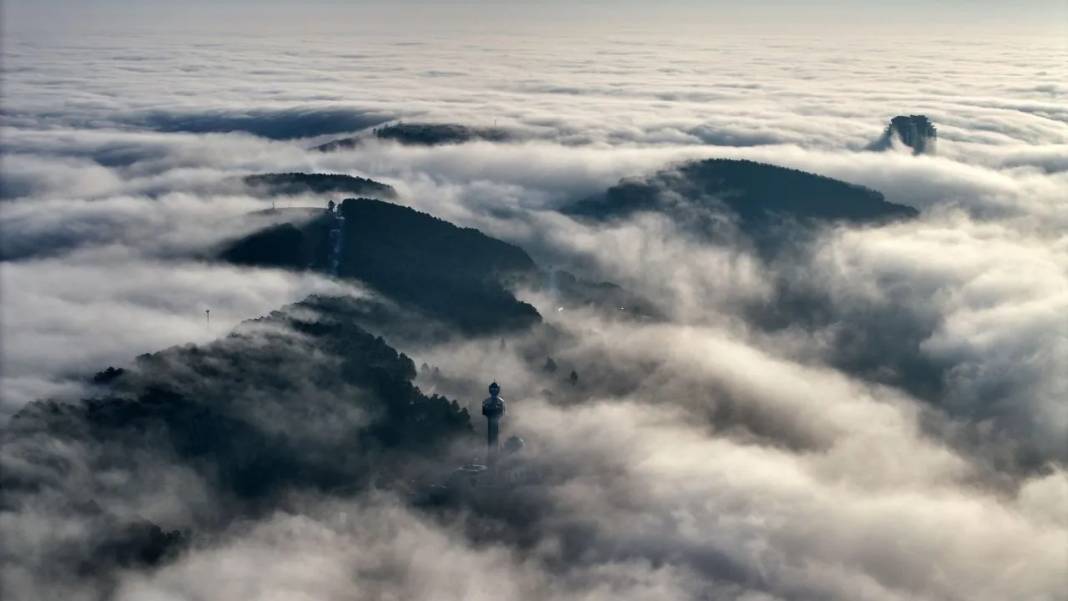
column 911, row 444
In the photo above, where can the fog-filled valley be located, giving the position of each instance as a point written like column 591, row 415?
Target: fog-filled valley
column 758, row 339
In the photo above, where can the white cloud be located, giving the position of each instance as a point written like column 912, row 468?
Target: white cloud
column 701, row 456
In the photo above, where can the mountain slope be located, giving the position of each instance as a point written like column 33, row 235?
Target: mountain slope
column 261, row 406
column 456, row 274
column 756, row 194
column 301, row 400
column 285, row 246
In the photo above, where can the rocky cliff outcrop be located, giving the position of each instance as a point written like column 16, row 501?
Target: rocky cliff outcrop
column 914, row 131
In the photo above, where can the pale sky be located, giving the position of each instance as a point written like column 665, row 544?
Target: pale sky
column 896, row 17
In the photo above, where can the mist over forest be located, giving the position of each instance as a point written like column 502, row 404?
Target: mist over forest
column 774, row 317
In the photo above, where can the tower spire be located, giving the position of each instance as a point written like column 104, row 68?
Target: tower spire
column 493, row 409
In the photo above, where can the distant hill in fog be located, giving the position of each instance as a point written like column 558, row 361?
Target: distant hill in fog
column 293, row 184
column 423, row 134
column 755, row 195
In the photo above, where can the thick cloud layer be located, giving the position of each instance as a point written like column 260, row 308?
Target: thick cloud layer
column 877, row 413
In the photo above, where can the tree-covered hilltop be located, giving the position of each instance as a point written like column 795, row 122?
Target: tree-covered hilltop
column 293, row 184
column 303, row 399
column 754, row 193
column 455, row 274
